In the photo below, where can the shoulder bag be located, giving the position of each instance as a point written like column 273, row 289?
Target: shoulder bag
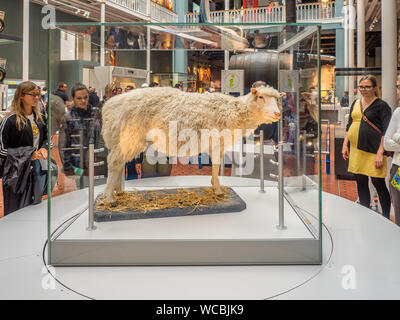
column 364, row 117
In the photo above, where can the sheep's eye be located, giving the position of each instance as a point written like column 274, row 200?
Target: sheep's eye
column 260, row 97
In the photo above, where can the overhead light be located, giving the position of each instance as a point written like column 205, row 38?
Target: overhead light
column 77, row 11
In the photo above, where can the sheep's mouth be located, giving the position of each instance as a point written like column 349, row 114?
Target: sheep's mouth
column 275, row 118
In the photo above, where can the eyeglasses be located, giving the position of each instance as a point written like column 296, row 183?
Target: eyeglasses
column 365, row 87
column 82, row 98
column 35, row 95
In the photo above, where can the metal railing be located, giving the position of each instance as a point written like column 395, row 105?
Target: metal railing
column 162, row 14
column 315, row 11
column 305, row 12
column 157, row 12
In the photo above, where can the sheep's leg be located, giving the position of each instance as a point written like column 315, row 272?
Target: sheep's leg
column 216, row 166
column 116, row 166
column 214, row 179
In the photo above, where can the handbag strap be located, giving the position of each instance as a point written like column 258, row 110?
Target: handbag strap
column 367, row 121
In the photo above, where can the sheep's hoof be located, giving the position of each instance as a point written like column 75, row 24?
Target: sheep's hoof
column 218, row 191
column 109, row 199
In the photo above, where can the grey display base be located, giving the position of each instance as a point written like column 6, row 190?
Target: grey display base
column 234, row 204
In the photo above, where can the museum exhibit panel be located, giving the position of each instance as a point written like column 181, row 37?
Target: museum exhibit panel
column 255, row 196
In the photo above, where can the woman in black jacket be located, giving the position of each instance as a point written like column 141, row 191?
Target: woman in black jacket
column 368, row 121
column 24, row 127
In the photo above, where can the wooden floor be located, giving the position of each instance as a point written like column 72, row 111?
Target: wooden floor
column 329, row 182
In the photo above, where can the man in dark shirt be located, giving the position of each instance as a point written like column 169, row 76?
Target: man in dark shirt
column 93, row 98
column 77, row 130
column 61, row 92
column 345, row 100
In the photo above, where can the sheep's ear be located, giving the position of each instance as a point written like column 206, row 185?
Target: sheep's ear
column 282, row 94
column 253, row 91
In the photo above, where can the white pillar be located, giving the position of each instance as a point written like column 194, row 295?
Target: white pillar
column 226, row 19
column 148, row 53
column 226, row 60
column 346, row 45
column 389, row 52
column 25, row 43
column 102, row 30
column 351, row 27
column 361, row 33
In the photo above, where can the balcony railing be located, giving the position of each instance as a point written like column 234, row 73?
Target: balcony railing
column 305, row 12
column 162, row 14
column 315, row 11
column 157, row 12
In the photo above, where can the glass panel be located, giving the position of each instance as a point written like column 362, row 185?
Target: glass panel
column 299, row 79
column 156, row 139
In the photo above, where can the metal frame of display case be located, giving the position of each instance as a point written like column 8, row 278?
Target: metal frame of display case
column 197, row 251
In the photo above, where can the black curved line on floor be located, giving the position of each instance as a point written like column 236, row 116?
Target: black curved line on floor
column 272, row 297
column 319, row 271
column 46, row 265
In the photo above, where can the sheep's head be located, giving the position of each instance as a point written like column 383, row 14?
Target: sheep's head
column 265, row 103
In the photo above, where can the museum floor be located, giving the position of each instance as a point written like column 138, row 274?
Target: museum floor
column 357, row 244
column 347, row 189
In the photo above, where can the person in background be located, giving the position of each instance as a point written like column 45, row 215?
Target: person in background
column 398, row 90
column 154, row 84
column 391, row 142
column 24, row 127
column 44, row 95
column 129, row 88
column 178, row 86
column 314, row 95
column 61, row 92
column 119, row 90
column 78, row 119
column 368, row 121
column 41, row 104
column 93, row 98
column 344, row 102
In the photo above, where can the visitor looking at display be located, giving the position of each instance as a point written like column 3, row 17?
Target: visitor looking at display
column 62, row 93
column 23, row 142
column 77, row 129
column 391, row 142
column 368, row 121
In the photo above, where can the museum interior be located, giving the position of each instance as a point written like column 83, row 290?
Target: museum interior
column 253, row 140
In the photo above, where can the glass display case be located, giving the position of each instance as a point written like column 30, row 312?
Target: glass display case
column 137, row 181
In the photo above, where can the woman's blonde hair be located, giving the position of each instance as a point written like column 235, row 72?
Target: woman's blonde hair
column 372, row 78
column 17, row 106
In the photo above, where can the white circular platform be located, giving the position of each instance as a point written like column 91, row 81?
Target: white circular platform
column 360, row 262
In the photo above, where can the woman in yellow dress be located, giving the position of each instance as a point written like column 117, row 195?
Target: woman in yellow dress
column 368, row 121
